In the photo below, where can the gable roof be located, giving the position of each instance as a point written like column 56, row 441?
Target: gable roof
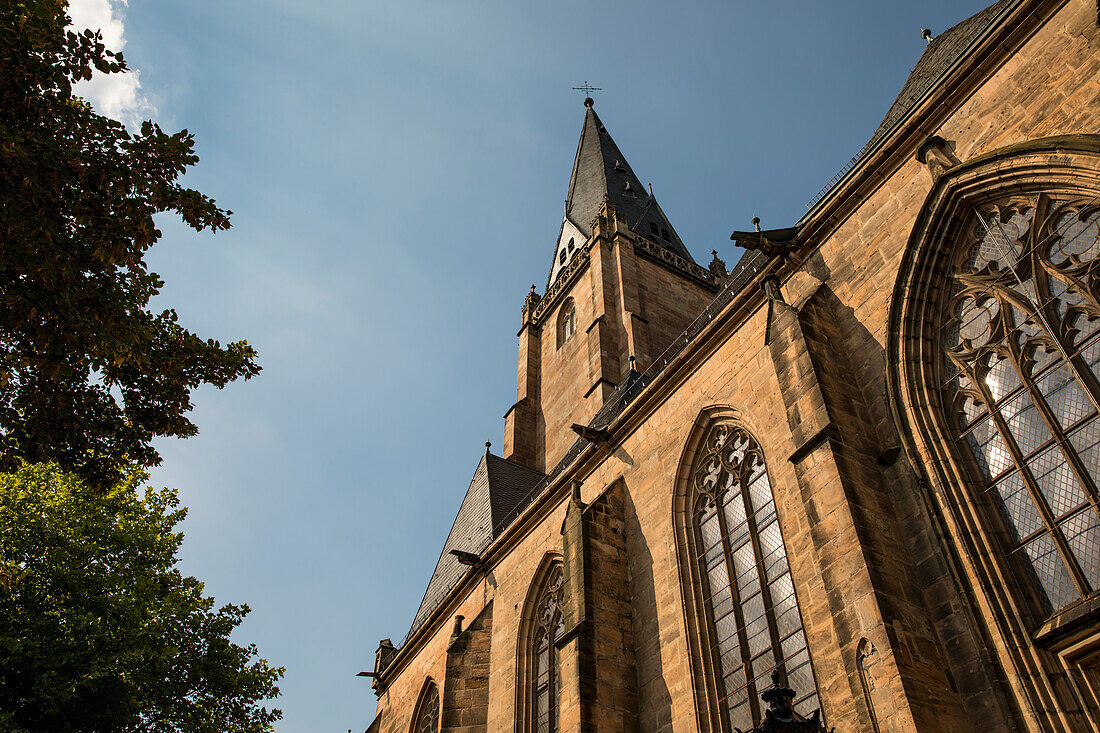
column 498, row 487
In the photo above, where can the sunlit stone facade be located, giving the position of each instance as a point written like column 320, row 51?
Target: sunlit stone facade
column 863, row 463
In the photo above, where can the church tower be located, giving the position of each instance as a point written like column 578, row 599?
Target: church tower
column 621, row 288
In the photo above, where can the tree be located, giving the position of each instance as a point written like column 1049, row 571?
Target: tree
column 99, row 631
column 89, row 376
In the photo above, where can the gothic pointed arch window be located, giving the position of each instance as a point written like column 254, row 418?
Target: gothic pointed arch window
column 542, row 626
column 567, row 321
column 994, row 355
column 747, row 623
column 426, row 717
column 1020, row 339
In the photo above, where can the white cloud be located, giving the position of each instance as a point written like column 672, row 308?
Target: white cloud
column 116, row 95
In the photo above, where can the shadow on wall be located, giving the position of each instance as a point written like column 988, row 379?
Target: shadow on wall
column 907, row 511
column 654, row 700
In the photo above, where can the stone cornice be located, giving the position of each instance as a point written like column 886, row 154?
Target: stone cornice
column 564, row 280
column 651, row 250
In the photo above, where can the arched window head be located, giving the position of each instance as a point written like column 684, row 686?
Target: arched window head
column 1020, row 338
column 542, row 626
column 567, row 321
column 993, row 359
column 749, row 621
column 426, row 719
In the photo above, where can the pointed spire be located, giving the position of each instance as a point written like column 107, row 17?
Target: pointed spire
column 602, row 173
column 601, row 170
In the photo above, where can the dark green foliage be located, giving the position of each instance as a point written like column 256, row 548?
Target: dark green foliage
column 99, row 631
column 88, row 375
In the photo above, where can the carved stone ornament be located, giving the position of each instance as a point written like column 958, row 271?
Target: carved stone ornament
column 772, row 242
column 549, row 608
column 531, row 301
column 938, row 155
column 648, row 248
column 718, row 266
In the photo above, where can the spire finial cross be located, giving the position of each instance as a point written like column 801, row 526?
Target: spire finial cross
column 587, row 89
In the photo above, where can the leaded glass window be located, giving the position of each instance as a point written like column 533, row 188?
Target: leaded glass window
column 549, row 627
column 427, row 713
column 753, row 617
column 1021, row 338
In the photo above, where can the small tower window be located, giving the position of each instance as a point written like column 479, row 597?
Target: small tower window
column 665, row 236
column 654, row 230
column 567, row 322
column 562, row 256
column 570, row 245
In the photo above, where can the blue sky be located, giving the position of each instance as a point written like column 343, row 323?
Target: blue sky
column 397, row 173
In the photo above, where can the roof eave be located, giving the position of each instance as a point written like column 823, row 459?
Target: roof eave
column 868, row 159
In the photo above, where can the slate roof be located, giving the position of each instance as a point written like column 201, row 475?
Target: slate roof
column 945, row 50
column 940, row 55
column 601, row 169
column 498, row 486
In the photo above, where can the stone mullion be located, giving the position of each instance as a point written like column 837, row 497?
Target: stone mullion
column 552, row 675
column 738, row 612
column 1085, row 378
column 539, row 689
column 1045, row 311
column 765, row 590
column 1091, row 387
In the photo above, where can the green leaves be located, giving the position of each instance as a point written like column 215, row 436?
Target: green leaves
column 88, row 375
column 98, row 628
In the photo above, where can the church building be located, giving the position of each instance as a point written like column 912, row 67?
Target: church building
column 850, row 483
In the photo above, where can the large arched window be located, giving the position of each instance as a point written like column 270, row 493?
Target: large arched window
column 426, row 718
column 542, row 626
column 567, row 321
column 1020, row 335
column 752, row 625
column 993, row 357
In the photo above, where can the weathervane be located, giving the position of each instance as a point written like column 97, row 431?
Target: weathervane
column 587, row 89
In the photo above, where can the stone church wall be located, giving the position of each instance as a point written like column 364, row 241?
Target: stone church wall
column 1046, row 87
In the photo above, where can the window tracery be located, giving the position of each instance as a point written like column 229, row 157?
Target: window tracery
column 551, row 626
column 1020, row 337
column 427, row 711
column 753, row 622
column 544, row 625
column 567, row 321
